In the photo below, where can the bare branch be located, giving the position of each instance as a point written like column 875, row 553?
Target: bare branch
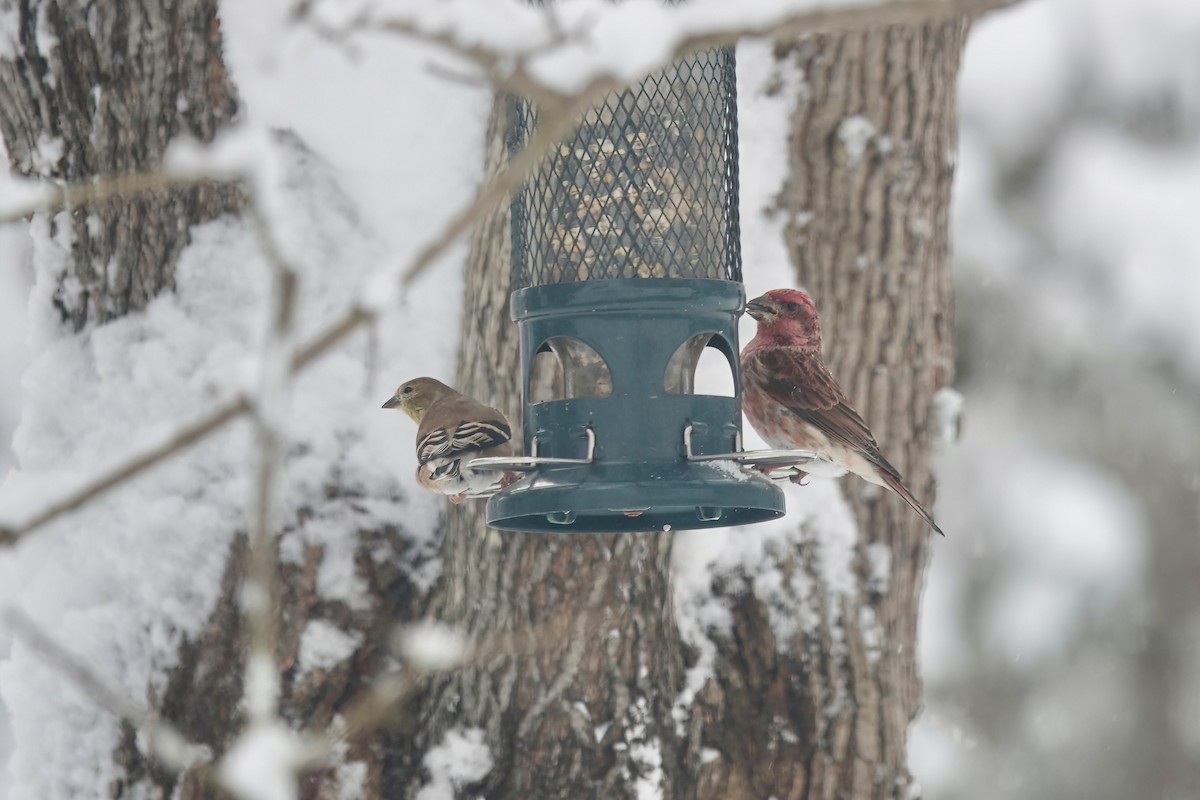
column 163, row 740
column 129, row 468
column 510, row 69
column 59, row 197
column 261, row 685
column 378, row 704
column 552, row 128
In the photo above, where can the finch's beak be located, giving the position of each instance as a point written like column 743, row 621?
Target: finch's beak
column 757, row 308
column 392, row 402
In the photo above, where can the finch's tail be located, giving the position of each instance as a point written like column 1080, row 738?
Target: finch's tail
column 897, row 486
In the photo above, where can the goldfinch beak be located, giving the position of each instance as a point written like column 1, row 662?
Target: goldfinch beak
column 391, row 402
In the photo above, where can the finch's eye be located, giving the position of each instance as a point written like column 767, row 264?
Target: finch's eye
column 408, row 390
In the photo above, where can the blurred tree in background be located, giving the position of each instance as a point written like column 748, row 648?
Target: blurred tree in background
column 1062, row 643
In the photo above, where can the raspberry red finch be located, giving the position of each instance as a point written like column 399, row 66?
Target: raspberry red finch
column 794, row 403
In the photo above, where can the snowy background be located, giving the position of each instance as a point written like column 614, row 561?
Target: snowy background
column 1061, row 626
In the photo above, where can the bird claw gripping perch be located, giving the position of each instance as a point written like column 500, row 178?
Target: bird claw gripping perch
column 514, row 464
column 778, row 465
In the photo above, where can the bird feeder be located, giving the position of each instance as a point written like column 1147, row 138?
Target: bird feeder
column 626, row 268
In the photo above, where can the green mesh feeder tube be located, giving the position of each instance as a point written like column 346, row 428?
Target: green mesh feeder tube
column 626, row 268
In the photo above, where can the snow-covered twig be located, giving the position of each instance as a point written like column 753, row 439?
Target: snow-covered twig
column 547, row 57
column 161, row 739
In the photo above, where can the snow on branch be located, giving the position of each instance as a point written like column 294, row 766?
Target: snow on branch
column 585, row 48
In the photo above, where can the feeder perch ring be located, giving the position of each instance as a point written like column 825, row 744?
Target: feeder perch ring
column 534, row 462
column 776, row 464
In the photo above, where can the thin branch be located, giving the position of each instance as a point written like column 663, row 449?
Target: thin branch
column 508, row 69
column 551, row 129
column 163, row 740
column 259, row 600
column 377, row 704
column 60, row 197
column 510, row 73
column 130, row 467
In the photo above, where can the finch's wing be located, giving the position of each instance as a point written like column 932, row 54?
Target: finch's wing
column 459, row 426
column 799, row 382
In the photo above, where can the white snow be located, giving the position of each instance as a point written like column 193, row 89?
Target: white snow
column 46, row 40
column 47, row 154
column 351, row 780
column 855, row 133
column 645, row 753
column 1111, row 200
column 1047, row 544
column 461, row 759
column 948, row 408
column 262, row 764
column 430, row 646
column 879, row 566
column 18, row 195
column 324, row 645
column 626, row 41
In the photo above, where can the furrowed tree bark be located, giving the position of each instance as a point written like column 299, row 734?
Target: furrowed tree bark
column 580, row 702
column 825, row 713
column 875, row 254
column 99, row 90
column 872, row 154
column 583, row 708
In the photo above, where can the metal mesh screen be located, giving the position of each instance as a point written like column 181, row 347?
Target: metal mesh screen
column 646, row 187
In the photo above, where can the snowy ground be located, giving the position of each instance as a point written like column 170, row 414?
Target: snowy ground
column 1077, row 265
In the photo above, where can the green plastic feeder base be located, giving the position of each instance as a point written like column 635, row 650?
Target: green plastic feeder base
column 639, row 478
column 628, row 498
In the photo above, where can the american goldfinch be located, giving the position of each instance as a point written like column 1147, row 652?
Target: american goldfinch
column 793, row 401
column 453, row 429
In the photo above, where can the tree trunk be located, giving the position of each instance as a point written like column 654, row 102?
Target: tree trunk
column 582, row 702
column 826, row 712
column 872, row 155
column 101, row 91
column 584, row 710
